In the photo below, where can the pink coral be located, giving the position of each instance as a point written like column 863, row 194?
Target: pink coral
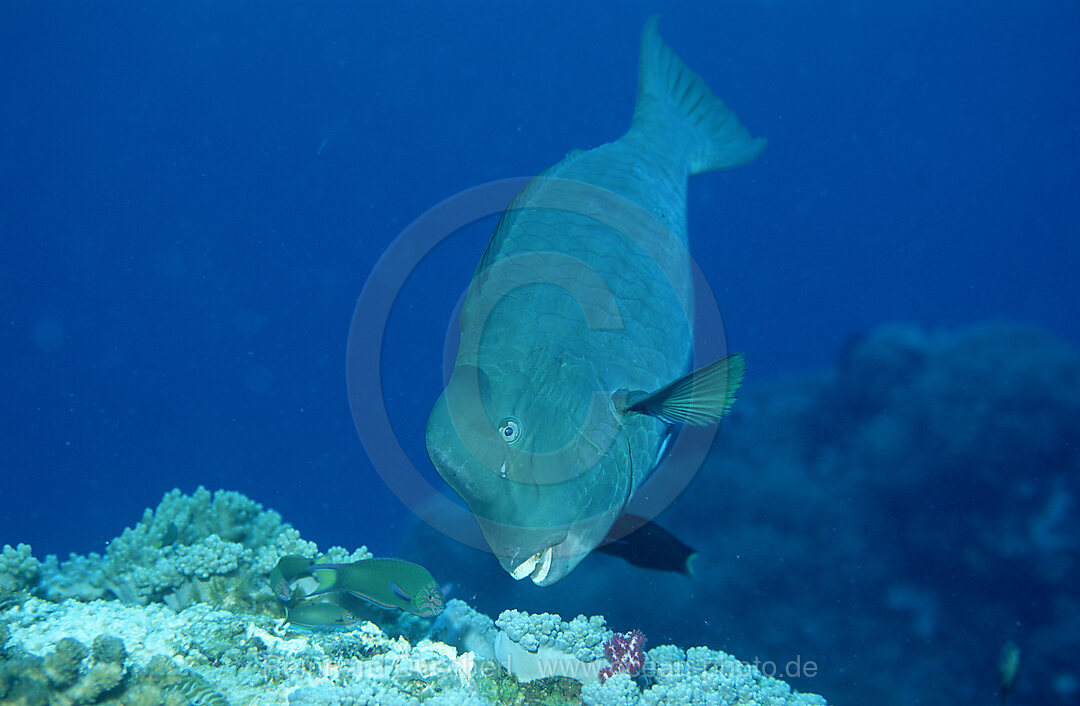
column 627, row 654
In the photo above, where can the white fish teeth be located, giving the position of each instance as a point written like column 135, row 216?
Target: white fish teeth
column 541, row 571
column 526, row 567
column 537, row 566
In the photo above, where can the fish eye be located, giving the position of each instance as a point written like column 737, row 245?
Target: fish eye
column 510, row 430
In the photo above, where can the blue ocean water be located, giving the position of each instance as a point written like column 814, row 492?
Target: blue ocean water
column 192, row 197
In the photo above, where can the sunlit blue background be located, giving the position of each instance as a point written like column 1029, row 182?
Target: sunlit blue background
column 191, row 197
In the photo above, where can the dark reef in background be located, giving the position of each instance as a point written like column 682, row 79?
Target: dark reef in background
column 895, row 520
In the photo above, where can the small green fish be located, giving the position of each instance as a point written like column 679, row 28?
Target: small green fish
column 168, row 537
column 308, row 616
column 388, row 583
column 288, row 568
column 1009, row 668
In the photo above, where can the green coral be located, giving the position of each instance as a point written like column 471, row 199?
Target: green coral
column 286, row 541
column 205, row 547
column 79, row 577
column 19, row 573
column 210, row 556
column 68, row 674
column 108, row 649
column 426, row 673
column 496, row 684
column 340, row 555
column 210, row 535
column 62, row 666
column 175, row 681
column 74, row 674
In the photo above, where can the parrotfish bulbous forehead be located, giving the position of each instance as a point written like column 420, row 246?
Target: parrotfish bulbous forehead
column 576, row 332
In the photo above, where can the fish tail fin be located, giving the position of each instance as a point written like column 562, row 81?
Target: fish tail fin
column 669, row 91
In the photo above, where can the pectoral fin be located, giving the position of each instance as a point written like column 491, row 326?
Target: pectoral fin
column 701, row 397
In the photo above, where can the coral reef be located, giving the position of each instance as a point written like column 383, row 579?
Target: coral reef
column 581, row 637
column 539, row 646
column 211, row 548
column 19, row 572
column 466, row 628
column 186, row 621
column 74, row 674
column 67, row 674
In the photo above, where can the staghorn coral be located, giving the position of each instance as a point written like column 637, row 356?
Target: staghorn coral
column 19, row 572
column 205, row 547
column 79, row 577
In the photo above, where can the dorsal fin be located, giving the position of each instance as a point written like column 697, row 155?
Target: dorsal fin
column 494, row 245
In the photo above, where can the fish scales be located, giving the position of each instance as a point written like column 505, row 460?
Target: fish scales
column 649, row 345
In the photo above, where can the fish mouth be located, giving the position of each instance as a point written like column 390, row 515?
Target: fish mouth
column 535, row 567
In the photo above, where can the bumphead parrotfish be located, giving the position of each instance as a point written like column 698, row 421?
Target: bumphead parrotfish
column 576, row 331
